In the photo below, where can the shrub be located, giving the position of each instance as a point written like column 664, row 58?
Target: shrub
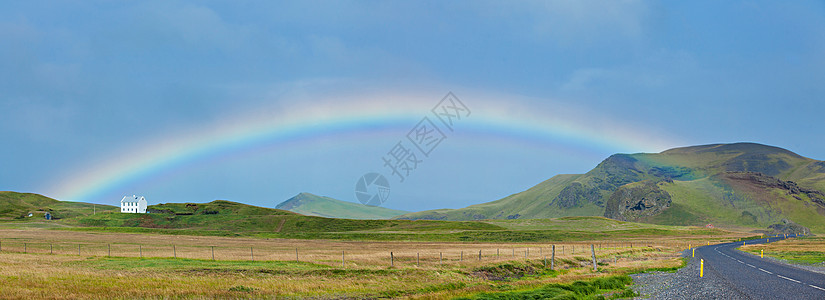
column 241, row 288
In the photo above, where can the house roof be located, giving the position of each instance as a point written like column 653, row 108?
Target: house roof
column 132, row 199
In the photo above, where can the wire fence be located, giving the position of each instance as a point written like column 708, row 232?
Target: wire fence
column 354, row 257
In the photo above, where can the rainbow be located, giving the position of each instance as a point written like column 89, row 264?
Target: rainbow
column 491, row 118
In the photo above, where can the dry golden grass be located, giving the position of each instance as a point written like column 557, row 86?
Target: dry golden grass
column 809, row 250
column 420, row 269
column 812, row 244
column 318, row 251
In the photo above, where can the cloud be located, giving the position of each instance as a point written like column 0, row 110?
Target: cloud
column 658, row 70
column 191, row 24
column 576, row 22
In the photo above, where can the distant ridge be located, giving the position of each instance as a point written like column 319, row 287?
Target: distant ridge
column 314, row 205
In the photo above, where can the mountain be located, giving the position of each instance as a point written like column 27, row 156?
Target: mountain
column 17, row 206
column 740, row 184
column 314, row 205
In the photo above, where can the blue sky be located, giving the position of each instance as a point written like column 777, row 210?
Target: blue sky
column 87, row 84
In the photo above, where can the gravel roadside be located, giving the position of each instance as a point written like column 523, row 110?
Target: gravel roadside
column 686, row 284
column 683, row 284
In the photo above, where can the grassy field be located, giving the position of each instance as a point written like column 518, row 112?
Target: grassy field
column 153, row 265
column 804, row 250
column 438, row 232
column 231, row 250
column 223, row 218
column 366, row 271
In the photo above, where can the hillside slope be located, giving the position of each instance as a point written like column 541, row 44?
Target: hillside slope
column 528, row 204
column 687, row 186
column 314, row 205
column 17, row 206
column 232, row 218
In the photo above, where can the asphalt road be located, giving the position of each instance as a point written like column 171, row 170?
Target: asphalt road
column 758, row 278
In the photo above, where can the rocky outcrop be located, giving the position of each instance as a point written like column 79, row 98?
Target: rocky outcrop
column 634, row 201
column 609, row 175
column 789, row 227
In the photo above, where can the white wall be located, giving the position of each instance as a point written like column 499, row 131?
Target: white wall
column 133, row 204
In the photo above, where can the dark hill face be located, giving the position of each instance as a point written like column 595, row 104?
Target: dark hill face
column 688, row 181
column 752, row 148
column 217, row 207
column 746, row 157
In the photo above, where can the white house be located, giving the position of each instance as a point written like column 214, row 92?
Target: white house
column 133, row 204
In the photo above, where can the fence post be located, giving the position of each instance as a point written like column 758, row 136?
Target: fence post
column 252, row 253
column 545, row 262
column 50, row 249
column 479, row 255
column 174, row 251
column 593, row 252
column 553, row 258
column 109, row 248
column 440, row 257
column 462, row 256
column 514, row 252
column 392, row 259
column 497, row 255
column 25, row 250
column 526, row 252
column 418, row 259
column 78, row 249
column 342, row 259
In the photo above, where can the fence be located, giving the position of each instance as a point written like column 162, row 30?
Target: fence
column 437, row 255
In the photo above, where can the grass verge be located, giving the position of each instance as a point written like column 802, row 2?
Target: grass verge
column 804, row 250
column 599, row 288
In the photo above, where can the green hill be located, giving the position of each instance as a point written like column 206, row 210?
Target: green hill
column 741, row 184
column 313, row 205
column 17, row 206
column 234, row 218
